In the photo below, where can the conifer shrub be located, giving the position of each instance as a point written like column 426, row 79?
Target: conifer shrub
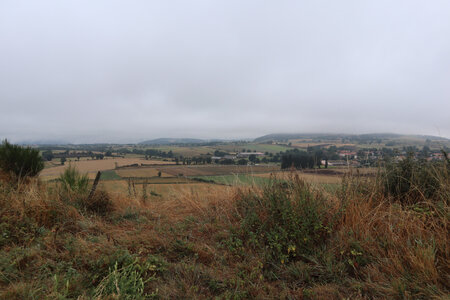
column 20, row 162
column 73, row 181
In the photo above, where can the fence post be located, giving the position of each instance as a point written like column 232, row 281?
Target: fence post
column 94, row 186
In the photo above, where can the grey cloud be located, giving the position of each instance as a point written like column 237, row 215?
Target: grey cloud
column 132, row 70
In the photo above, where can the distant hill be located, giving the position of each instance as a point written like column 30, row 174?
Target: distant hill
column 170, row 141
column 332, row 136
column 292, row 136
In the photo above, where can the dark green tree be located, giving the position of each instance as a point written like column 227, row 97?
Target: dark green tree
column 20, row 161
column 47, row 155
column 297, row 159
column 242, row 162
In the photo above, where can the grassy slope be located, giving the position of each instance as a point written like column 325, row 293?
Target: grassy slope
column 225, row 242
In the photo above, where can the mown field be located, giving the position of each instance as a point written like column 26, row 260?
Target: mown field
column 209, row 170
column 193, row 171
column 92, row 166
column 142, row 172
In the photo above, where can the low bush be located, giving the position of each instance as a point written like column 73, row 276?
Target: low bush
column 410, row 181
column 100, row 203
column 128, row 280
column 283, row 222
column 75, row 187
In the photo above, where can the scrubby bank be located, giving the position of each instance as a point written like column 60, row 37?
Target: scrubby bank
column 287, row 240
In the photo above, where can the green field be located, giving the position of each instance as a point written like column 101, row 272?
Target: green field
column 254, row 147
column 110, row 175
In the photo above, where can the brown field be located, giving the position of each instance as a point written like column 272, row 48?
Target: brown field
column 166, row 191
column 92, row 166
column 163, row 180
column 141, row 172
column 57, row 161
column 210, row 170
column 196, row 170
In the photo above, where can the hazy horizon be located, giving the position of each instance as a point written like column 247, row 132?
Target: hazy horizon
column 249, row 139
column 125, row 72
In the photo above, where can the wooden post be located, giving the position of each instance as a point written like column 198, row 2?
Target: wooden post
column 94, row 186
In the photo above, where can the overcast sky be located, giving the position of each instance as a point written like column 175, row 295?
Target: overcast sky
column 125, row 71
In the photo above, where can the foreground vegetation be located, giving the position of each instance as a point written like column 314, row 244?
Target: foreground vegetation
column 383, row 237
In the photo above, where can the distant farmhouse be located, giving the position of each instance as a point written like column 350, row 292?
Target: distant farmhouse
column 348, row 154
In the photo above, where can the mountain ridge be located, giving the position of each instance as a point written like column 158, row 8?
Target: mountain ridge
column 287, row 136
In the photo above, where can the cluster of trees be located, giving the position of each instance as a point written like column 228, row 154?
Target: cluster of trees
column 310, row 158
column 196, row 160
column 330, row 153
column 299, row 160
column 147, row 152
column 220, row 153
column 48, row 155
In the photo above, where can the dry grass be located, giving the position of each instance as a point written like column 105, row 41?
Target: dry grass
column 321, row 176
column 166, row 191
column 407, row 250
column 308, row 177
column 375, row 248
column 180, row 201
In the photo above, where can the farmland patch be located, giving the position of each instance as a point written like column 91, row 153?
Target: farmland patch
column 92, row 166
